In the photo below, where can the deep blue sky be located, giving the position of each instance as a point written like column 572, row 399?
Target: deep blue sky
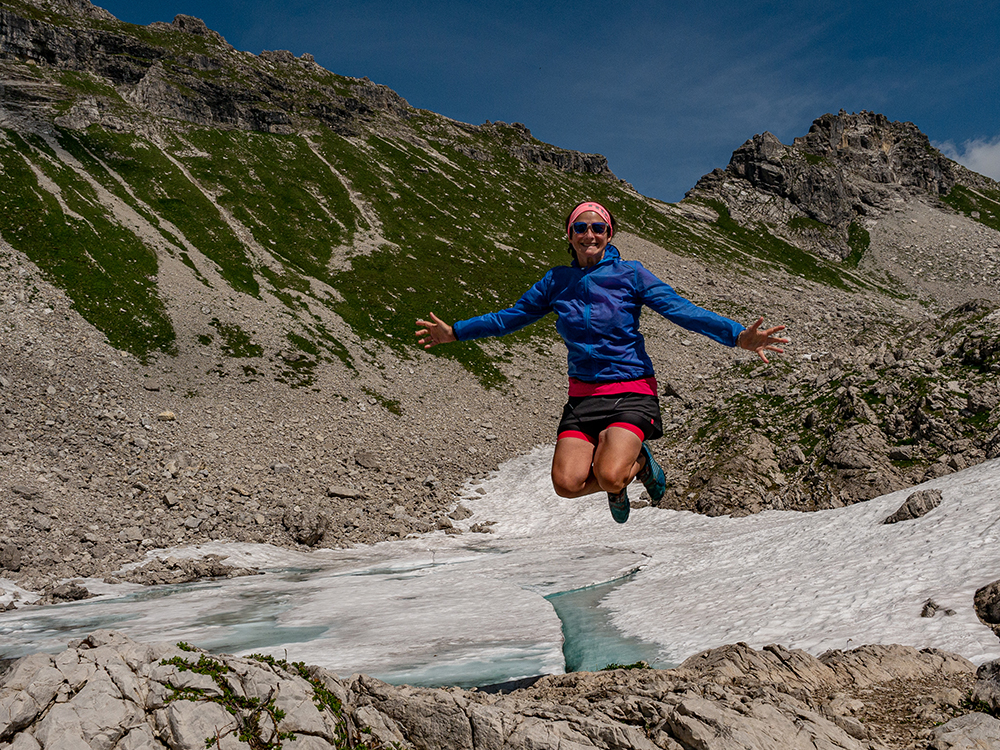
column 666, row 90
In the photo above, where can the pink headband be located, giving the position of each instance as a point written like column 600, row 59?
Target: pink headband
column 597, row 208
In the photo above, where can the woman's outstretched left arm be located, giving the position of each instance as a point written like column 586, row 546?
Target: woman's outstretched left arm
column 755, row 340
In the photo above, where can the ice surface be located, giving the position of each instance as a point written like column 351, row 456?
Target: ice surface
column 471, row 608
column 832, row 579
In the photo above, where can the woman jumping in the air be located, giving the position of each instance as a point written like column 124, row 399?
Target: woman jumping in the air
column 613, row 408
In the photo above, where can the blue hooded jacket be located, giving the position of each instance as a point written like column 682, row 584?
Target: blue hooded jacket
column 598, row 316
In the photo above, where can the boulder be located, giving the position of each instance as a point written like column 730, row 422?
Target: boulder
column 987, row 687
column 67, row 592
column 10, row 557
column 306, row 527
column 368, row 460
column 987, row 605
column 918, row 504
column 347, row 493
column 975, row 731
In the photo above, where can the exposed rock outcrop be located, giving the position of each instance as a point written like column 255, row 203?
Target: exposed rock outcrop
column 847, row 166
column 987, row 604
column 970, row 732
column 850, row 427
column 987, row 688
column 174, row 571
column 918, row 504
column 109, row 691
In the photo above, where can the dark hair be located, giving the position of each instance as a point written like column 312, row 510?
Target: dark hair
column 614, row 224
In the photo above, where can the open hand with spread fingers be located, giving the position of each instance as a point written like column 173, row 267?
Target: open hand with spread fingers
column 755, row 340
column 436, row 331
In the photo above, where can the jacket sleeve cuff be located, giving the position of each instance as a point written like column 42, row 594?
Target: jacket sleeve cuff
column 736, row 336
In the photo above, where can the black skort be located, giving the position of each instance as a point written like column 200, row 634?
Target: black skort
column 591, row 415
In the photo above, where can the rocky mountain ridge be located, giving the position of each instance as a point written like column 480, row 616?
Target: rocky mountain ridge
column 174, row 696
column 847, row 167
column 201, row 80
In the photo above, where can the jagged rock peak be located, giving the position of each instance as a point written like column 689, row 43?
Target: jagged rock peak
column 190, row 24
column 833, row 173
column 536, row 152
column 847, row 166
column 879, row 150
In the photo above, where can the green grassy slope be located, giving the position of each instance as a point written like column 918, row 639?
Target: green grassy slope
column 457, row 235
column 450, row 218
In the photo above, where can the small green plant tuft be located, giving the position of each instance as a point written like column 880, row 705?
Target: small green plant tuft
column 391, row 405
column 969, row 703
column 633, row 665
column 805, row 223
column 236, row 341
column 257, row 720
column 859, row 240
column 323, row 698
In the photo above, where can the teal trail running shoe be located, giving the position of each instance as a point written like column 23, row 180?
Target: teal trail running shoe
column 652, row 476
column 619, row 506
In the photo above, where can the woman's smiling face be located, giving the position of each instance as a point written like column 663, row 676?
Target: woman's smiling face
column 589, row 247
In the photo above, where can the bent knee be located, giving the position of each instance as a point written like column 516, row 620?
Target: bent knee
column 568, row 485
column 568, row 492
column 563, row 489
column 612, row 480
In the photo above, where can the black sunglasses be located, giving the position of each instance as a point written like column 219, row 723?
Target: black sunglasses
column 598, row 227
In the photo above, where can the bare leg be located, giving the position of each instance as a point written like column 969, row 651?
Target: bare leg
column 616, row 459
column 572, row 468
column 579, row 468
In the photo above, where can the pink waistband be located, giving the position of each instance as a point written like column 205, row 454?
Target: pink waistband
column 645, row 386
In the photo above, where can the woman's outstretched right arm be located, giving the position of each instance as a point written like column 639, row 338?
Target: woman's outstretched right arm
column 434, row 331
column 533, row 305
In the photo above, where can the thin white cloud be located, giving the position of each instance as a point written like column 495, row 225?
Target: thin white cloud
column 979, row 155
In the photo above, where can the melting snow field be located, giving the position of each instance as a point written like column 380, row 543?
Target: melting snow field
column 471, row 609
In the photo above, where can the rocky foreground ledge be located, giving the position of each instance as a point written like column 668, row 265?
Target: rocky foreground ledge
column 113, row 693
